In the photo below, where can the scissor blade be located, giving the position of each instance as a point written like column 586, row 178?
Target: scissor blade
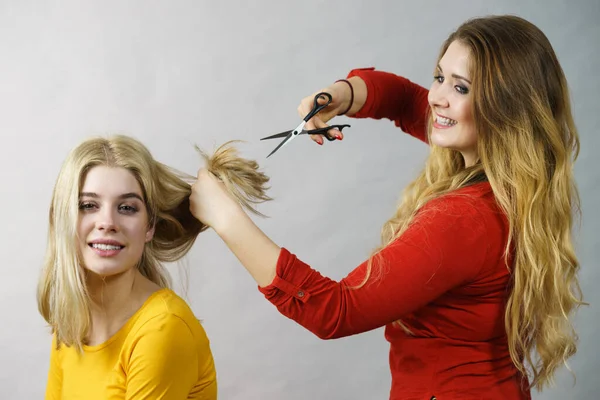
column 277, row 135
column 289, row 137
column 280, row 145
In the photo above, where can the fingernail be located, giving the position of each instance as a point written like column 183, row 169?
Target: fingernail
column 338, row 136
column 320, row 142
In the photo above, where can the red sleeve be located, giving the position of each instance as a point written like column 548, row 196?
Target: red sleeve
column 445, row 246
column 395, row 98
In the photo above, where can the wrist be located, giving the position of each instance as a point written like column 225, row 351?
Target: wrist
column 348, row 89
column 229, row 220
column 359, row 88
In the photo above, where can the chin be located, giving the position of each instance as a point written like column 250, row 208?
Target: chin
column 108, row 264
column 444, row 140
column 105, row 271
column 106, row 268
column 440, row 139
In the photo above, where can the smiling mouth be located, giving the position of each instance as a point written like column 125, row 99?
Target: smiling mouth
column 105, row 247
column 445, row 121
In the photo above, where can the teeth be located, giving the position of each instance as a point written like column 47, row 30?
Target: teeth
column 101, row 246
column 445, row 121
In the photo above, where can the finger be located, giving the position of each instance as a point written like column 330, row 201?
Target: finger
column 310, row 125
column 322, row 99
column 305, row 106
column 303, row 110
column 332, row 133
column 336, row 133
column 317, row 139
column 317, row 123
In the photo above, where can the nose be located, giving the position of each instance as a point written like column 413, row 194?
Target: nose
column 438, row 95
column 106, row 220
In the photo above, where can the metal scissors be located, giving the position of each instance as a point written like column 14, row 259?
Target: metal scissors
column 289, row 135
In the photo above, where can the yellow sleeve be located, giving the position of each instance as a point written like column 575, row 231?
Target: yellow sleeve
column 54, row 383
column 164, row 361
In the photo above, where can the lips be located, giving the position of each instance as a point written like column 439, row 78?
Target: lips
column 108, row 242
column 106, row 247
column 440, row 121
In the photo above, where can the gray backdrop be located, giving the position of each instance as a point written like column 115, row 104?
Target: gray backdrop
column 175, row 73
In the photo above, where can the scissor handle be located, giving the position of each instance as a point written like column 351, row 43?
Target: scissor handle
column 323, row 131
column 318, row 107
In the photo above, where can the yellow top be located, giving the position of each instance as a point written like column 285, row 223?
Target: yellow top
column 162, row 352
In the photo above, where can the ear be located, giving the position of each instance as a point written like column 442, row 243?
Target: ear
column 150, row 233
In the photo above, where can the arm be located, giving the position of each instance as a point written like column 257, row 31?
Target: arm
column 379, row 94
column 444, row 247
column 54, row 384
column 165, row 362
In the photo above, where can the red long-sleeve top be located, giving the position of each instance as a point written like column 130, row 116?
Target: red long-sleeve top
column 445, row 278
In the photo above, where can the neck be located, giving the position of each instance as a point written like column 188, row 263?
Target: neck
column 469, row 158
column 109, row 294
column 114, row 300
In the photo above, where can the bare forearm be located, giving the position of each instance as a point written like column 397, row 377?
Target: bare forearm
column 257, row 253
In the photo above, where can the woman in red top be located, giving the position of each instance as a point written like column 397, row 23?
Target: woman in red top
column 477, row 268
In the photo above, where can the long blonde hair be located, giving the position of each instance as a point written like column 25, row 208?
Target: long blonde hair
column 62, row 296
column 527, row 143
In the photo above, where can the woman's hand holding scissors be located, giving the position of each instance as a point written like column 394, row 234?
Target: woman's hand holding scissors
column 348, row 96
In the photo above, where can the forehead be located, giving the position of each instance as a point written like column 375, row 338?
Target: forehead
column 110, row 181
column 456, row 58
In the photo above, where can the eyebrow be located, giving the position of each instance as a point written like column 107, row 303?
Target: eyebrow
column 124, row 196
column 455, row 75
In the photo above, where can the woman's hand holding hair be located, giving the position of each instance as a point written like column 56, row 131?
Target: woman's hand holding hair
column 226, row 185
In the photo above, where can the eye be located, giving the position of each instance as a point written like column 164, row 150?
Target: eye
column 439, row 78
column 86, row 206
column 461, row 89
column 127, row 209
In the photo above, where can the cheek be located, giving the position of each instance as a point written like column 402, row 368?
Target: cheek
column 84, row 226
column 465, row 112
column 466, row 117
column 137, row 233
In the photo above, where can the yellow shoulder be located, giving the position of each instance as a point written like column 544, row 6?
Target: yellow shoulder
column 166, row 307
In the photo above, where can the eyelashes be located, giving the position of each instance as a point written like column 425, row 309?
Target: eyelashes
column 85, row 206
column 124, row 208
column 459, row 88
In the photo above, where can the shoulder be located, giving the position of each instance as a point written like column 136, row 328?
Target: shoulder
column 168, row 347
column 467, row 217
column 165, row 316
column 166, row 302
column 475, row 204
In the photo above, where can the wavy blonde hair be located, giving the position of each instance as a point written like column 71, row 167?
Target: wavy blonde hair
column 527, row 143
column 62, row 296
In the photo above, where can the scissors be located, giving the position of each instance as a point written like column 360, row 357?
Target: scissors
column 289, row 135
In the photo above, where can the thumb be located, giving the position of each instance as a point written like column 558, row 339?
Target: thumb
column 315, row 123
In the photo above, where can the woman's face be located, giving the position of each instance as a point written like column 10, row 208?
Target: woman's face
column 450, row 102
column 113, row 221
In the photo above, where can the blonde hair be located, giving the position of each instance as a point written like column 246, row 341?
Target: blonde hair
column 62, row 296
column 527, row 143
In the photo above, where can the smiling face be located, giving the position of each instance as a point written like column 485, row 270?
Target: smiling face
column 450, row 101
column 113, row 221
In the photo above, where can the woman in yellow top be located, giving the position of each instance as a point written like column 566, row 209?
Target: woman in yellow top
column 119, row 332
